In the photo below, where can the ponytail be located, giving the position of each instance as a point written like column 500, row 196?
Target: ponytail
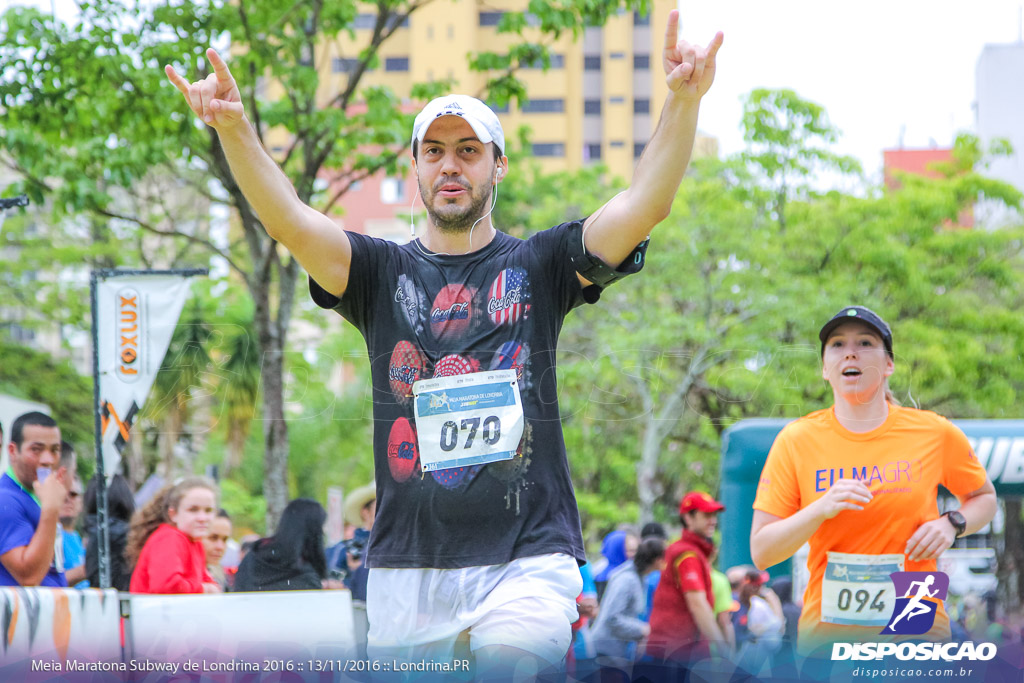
column 889, row 396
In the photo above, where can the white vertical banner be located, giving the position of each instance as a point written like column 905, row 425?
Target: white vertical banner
column 135, row 318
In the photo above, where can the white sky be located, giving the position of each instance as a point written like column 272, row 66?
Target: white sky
column 877, row 66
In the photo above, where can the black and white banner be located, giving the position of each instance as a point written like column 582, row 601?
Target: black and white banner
column 135, row 318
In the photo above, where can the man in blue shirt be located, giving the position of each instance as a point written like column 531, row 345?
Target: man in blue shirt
column 31, row 493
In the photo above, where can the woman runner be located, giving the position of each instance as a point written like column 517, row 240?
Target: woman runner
column 859, row 481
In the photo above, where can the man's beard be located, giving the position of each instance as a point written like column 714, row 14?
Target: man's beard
column 450, row 217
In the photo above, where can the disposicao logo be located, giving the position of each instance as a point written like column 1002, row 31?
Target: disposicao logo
column 919, row 594
column 947, row 652
column 915, row 611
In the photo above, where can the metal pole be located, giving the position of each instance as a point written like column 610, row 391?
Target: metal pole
column 113, row 272
column 102, row 519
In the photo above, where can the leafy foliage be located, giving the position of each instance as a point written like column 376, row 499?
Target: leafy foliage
column 35, row 376
column 722, row 323
column 788, row 147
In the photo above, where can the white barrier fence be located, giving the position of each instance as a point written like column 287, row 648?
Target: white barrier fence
column 66, row 634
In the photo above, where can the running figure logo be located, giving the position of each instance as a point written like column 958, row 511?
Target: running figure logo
column 918, row 597
column 438, row 401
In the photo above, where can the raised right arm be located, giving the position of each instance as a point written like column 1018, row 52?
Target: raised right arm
column 320, row 246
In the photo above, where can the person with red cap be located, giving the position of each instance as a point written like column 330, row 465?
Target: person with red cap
column 683, row 624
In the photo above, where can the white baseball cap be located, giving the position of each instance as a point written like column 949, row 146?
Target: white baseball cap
column 478, row 115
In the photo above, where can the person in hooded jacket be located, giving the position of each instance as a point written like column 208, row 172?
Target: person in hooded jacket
column 120, row 507
column 293, row 558
column 618, row 625
column 617, row 547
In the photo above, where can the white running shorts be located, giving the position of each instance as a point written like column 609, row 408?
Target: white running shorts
column 417, row 614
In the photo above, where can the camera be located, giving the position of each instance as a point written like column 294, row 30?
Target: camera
column 356, row 547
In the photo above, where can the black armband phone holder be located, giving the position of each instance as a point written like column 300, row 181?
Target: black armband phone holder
column 600, row 273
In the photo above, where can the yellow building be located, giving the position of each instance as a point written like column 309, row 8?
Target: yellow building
column 599, row 100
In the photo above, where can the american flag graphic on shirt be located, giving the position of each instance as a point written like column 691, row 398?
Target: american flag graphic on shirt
column 507, row 301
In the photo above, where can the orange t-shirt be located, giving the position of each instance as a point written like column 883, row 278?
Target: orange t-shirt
column 902, row 462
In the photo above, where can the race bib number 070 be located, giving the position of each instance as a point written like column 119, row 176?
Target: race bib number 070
column 471, row 419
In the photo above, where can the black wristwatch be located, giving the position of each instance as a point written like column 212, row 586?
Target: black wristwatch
column 958, row 522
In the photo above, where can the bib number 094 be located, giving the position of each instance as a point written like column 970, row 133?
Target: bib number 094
column 450, row 432
column 847, row 597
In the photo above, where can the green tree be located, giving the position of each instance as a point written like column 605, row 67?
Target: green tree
column 722, row 323
column 238, row 390
column 788, row 144
column 182, row 374
column 653, row 341
column 35, row 376
column 209, row 379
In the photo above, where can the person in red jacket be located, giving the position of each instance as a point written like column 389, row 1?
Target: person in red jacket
column 683, row 621
column 165, row 543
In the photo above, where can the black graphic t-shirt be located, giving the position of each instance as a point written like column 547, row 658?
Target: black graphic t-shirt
column 427, row 315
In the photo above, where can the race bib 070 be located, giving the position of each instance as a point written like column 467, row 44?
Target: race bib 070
column 469, row 419
column 857, row 590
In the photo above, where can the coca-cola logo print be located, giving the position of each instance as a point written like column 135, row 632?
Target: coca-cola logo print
column 452, row 312
column 411, row 301
column 508, row 299
column 403, row 456
column 408, row 364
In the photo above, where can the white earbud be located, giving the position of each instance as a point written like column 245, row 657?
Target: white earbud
column 412, row 224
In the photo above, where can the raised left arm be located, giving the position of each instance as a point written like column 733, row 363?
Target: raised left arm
column 614, row 230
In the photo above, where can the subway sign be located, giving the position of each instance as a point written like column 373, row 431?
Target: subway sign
column 999, row 445
column 1001, row 454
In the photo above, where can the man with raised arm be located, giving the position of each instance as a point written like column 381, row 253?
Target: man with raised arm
column 477, row 528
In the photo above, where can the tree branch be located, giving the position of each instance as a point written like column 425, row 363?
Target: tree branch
column 353, row 177
column 642, row 387
column 381, row 32
column 289, row 275
column 257, row 121
column 832, row 249
column 30, row 305
column 206, row 244
column 24, row 173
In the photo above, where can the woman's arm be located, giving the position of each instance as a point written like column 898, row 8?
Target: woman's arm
column 933, row 538
column 774, row 539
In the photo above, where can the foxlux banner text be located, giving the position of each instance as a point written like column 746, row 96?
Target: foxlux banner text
column 135, row 319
